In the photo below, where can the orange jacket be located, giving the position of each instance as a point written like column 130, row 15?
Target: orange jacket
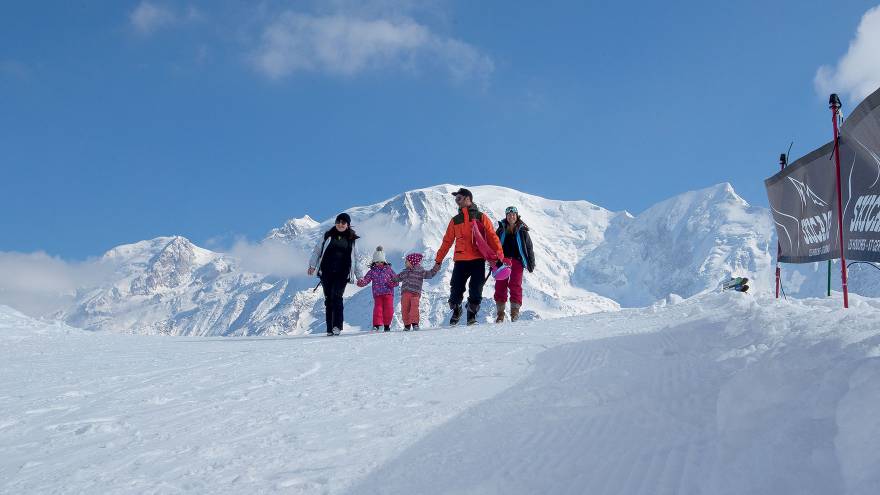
column 459, row 230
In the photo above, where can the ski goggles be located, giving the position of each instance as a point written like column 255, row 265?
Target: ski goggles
column 511, row 209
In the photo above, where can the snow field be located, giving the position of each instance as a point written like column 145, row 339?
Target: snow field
column 722, row 393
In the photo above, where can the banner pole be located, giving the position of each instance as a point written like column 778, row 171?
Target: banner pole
column 829, row 278
column 782, row 162
column 834, row 104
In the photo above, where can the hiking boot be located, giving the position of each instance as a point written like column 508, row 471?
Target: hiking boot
column 415, row 327
column 387, row 328
column 406, row 328
column 375, row 328
column 499, row 318
column 514, row 311
column 329, row 333
column 456, row 315
column 337, row 331
column 472, row 313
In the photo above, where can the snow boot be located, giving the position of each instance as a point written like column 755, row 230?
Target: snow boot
column 499, row 318
column 330, row 333
column 375, row 328
column 472, row 311
column 514, row 311
column 387, row 328
column 337, row 331
column 406, row 328
column 456, row 315
column 415, row 327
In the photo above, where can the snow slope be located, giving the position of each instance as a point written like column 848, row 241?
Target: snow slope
column 717, row 394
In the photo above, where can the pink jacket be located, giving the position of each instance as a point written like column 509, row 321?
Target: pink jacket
column 382, row 278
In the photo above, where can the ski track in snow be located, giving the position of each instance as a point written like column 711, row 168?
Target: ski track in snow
column 715, row 395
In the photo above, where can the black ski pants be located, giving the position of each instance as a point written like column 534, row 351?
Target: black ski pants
column 475, row 270
column 334, row 286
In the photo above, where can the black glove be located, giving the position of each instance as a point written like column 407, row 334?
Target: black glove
column 498, row 264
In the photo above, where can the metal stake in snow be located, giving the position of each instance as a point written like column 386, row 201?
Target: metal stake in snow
column 782, row 162
column 834, row 105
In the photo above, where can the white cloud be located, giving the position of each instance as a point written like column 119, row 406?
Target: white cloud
column 857, row 74
column 149, row 17
column 381, row 230
column 345, row 45
column 271, row 258
column 38, row 284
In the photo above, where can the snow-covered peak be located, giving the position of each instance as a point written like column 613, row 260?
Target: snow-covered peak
column 683, row 245
column 293, row 228
column 713, row 204
column 143, row 252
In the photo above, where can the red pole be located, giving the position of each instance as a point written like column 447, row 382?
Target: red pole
column 834, row 104
column 782, row 160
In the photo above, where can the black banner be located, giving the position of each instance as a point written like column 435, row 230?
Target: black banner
column 803, row 197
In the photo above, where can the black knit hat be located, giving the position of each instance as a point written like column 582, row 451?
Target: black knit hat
column 464, row 192
column 343, row 218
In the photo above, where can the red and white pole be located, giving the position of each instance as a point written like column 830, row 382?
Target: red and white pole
column 782, row 161
column 834, row 104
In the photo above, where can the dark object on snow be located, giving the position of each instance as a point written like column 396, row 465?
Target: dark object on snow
column 739, row 284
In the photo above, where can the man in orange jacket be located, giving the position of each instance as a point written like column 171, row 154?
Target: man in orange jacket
column 469, row 263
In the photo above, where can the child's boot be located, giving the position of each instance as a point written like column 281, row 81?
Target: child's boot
column 514, row 311
column 500, row 306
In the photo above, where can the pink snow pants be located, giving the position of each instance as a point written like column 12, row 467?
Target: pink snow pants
column 512, row 283
column 383, row 309
column 409, row 307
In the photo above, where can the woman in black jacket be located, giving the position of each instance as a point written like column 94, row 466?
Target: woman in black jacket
column 517, row 244
column 335, row 259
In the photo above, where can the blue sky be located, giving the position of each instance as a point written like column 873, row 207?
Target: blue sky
column 122, row 121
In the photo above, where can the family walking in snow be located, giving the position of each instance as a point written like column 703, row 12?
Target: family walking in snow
column 507, row 249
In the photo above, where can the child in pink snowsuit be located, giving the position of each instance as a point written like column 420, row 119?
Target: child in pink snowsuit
column 381, row 275
column 411, row 291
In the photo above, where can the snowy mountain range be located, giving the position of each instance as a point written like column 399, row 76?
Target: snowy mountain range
column 589, row 259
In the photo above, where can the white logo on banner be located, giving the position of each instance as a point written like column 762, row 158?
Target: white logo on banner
column 866, row 214
column 815, row 229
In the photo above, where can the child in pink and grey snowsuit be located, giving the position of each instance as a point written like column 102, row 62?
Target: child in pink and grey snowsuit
column 381, row 275
column 411, row 291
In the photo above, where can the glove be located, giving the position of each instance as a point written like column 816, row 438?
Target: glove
column 498, row 264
